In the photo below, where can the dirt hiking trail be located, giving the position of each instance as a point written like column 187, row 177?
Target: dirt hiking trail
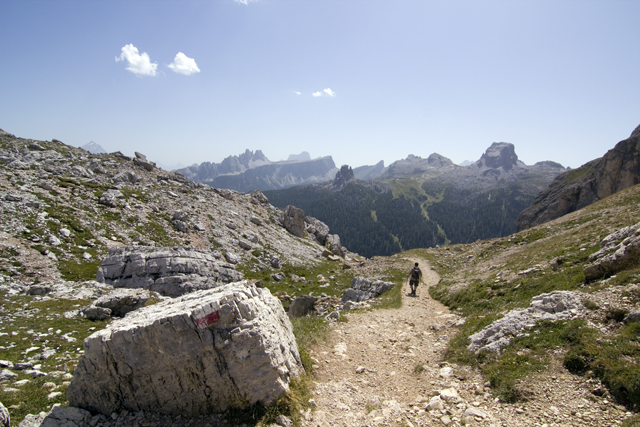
column 385, row 367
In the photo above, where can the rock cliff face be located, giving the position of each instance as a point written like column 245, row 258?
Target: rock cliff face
column 593, row 181
column 370, row 172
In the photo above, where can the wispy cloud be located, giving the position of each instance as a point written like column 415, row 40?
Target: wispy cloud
column 139, row 63
column 298, row 93
column 182, row 64
column 245, row 2
column 325, row 92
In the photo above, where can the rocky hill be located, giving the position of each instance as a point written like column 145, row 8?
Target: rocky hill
column 593, row 181
column 253, row 171
column 71, row 206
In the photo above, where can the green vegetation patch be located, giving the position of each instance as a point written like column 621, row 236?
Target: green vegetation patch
column 29, row 325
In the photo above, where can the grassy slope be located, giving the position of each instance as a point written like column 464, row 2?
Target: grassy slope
column 481, row 281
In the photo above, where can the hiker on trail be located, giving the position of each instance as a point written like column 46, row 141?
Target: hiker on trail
column 415, row 277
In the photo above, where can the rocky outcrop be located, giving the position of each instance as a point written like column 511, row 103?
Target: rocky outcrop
column 362, row 289
column 302, row 305
column 316, row 228
column 593, row 181
column 499, row 155
column 122, row 301
column 5, row 419
column 552, row 306
column 619, row 251
column 344, row 175
column 168, row 271
column 292, row 219
column 215, row 349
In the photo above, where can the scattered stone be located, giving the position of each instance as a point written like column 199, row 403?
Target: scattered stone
column 363, row 289
column 619, row 251
column 552, row 306
column 333, row 316
column 284, row 421
column 450, row 395
column 96, row 313
column 5, row 419
column 302, row 305
column 122, row 301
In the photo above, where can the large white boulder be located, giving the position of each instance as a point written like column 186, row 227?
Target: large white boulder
column 204, row 352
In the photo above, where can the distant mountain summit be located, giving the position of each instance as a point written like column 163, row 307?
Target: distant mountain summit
column 617, row 170
column 253, row 171
column 93, row 148
column 370, row 172
column 499, row 155
column 433, row 165
column 302, row 156
column 206, row 172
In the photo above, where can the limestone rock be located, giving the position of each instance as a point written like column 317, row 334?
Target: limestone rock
column 293, row 220
column 552, row 306
column 619, row 251
column 334, row 245
column 5, row 420
column 168, row 271
column 633, row 316
column 302, row 305
column 219, row 348
column 96, row 313
column 316, row 228
column 363, row 289
column 122, row 301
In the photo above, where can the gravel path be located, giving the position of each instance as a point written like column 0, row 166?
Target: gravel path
column 385, row 367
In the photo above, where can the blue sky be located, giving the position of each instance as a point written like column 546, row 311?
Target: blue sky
column 559, row 79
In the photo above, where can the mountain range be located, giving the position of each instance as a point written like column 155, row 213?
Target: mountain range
column 418, row 202
column 253, row 171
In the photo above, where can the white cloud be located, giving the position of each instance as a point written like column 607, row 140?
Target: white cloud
column 182, row 64
column 245, row 2
column 325, row 92
column 298, row 93
column 329, row 92
column 139, row 63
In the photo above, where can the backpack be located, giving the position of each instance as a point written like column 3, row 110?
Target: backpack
column 415, row 273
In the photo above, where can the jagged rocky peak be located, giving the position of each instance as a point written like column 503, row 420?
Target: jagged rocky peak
column 499, row 155
column 634, row 134
column 304, row 156
column 344, row 175
column 439, row 161
column 94, row 148
column 249, row 157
